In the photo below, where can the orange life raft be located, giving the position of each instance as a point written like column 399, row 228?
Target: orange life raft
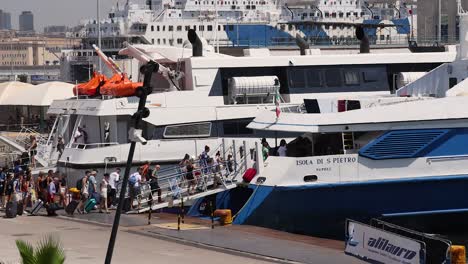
column 90, row 88
column 119, row 85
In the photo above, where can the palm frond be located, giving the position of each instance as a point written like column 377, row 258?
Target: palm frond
column 50, row 251
column 26, row 251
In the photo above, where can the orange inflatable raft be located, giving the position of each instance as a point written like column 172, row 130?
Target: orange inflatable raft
column 91, row 88
column 119, row 85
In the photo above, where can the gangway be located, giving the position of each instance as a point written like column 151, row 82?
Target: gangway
column 175, row 189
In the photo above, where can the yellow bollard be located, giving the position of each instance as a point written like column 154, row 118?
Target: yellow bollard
column 458, row 255
column 225, row 216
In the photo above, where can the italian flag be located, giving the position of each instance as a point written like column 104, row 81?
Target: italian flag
column 277, row 103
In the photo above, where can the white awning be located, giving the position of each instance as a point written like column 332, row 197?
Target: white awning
column 18, row 93
column 437, row 113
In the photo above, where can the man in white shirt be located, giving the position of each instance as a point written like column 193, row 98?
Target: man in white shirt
column 134, row 182
column 113, row 179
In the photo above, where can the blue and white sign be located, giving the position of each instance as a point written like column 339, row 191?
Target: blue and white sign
column 374, row 245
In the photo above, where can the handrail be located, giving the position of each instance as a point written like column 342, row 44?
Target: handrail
column 177, row 185
column 446, row 158
column 91, row 145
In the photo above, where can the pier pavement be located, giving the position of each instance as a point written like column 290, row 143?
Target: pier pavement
column 85, row 239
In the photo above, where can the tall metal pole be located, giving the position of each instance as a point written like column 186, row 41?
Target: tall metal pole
column 99, row 34
column 439, row 33
column 141, row 113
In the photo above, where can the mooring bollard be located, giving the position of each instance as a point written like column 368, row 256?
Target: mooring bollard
column 183, row 210
column 212, row 215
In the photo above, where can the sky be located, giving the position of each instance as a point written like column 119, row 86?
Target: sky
column 57, row 12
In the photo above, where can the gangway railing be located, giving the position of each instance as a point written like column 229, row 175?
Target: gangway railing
column 173, row 186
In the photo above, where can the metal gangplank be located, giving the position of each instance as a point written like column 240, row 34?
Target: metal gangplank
column 175, row 188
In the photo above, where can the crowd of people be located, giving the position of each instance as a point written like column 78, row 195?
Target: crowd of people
column 18, row 185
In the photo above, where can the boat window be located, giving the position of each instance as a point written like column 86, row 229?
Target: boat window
column 210, row 28
column 351, row 77
column 313, row 78
column 189, row 130
column 333, row 77
column 201, row 28
column 297, row 78
column 171, row 28
column 310, row 178
column 237, row 127
column 152, row 28
column 370, row 76
column 187, row 28
column 179, row 28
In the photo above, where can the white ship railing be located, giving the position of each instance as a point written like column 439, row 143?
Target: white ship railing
column 92, row 145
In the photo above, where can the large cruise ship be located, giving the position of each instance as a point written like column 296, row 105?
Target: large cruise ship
column 235, row 23
column 252, row 23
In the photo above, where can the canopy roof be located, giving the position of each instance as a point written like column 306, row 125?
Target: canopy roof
column 18, row 93
column 436, row 113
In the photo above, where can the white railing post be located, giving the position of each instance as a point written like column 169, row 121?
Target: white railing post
column 245, row 155
column 234, row 155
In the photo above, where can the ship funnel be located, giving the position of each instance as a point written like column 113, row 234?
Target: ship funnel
column 302, row 43
column 197, row 45
column 364, row 47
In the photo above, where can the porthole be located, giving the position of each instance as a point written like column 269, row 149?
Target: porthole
column 310, row 178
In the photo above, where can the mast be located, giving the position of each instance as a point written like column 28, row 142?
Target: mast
column 99, row 34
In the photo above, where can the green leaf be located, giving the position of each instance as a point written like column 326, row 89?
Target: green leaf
column 26, row 252
column 49, row 251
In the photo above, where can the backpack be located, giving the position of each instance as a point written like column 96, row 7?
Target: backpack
column 79, row 184
column 132, row 180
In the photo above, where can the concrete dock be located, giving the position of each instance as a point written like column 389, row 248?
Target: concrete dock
column 85, row 238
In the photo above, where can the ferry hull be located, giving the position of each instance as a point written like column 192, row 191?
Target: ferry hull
column 321, row 210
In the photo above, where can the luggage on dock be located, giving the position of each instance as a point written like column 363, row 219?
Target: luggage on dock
column 11, row 209
column 19, row 208
column 71, row 207
column 97, row 197
column 89, row 205
column 249, row 175
column 51, row 208
column 36, row 207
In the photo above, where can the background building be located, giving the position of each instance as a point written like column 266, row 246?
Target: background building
column 33, row 51
column 428, row 21
column 26, row 21
column 5, row 20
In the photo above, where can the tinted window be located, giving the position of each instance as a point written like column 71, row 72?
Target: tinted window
column 313, row 78
column 190, row 130
column 236, row 127
column 297, row 78
column 351, row 77
column 333, row 77
column 371, row 76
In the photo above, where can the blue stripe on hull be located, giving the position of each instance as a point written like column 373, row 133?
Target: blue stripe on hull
column 321, row 210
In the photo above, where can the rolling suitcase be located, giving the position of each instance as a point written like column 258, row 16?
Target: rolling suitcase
column 19, row 208
column 71, row 207
column 11, row 209
column 89, row 205
column 36, row 207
